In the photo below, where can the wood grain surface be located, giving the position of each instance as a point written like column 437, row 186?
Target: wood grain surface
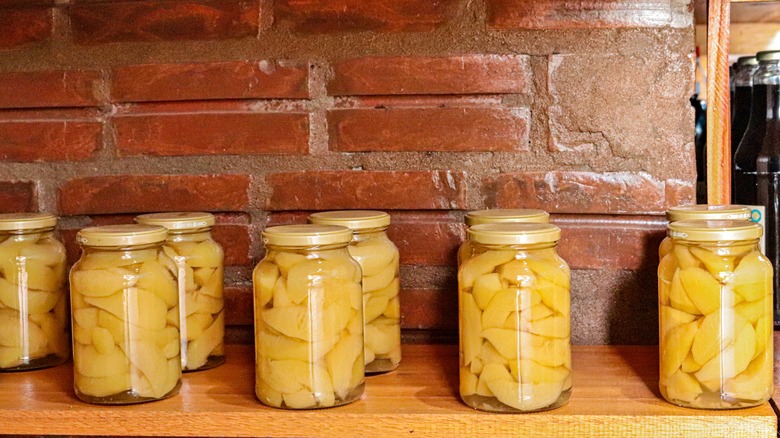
column 718, row 104
column 615, row 394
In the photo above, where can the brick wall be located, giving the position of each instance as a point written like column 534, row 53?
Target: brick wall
column 262, row 111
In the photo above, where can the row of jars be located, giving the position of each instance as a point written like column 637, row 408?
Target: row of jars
column 327, row 310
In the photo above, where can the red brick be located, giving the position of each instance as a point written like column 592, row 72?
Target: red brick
column 609, row 242
column 235, row 240
column 152, row 193
column 680, row 193
column 19, row 27
column 49, row 136
column 287, row 218
column 216, row 80
column 333, row 190
column 60, row 88
column 211, row 132
column 465, row 74
column 239, row 306
column 429, row 309
column 428, row 129
column 18, row 197
column 582, row 192
column 426, row 238
column 163, row 20
column 363, row 15
column 563, row 14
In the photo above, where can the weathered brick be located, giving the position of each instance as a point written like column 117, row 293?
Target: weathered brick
column 20, row 27
column 215, row 80
column 428, row 129
column 609, row 242
column 425, row 238
column 363, row 15
column 239, row 307
column 562, row 14
column 162, row 20
column 435, row 309
column 333, row 190
column 582, row 192
column 58, row 88
column 43, row 135
column 109, row 194
column 18, row 197
column 210, row 132
column 465, row 74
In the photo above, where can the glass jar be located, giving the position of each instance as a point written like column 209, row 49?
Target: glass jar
column 515, row 335
column 715, row 316
column 33, row 298
column 125, row 318
column 702, row 212
column 378, row 259
column 308, row 319
column 199, row 264
column 500, row 216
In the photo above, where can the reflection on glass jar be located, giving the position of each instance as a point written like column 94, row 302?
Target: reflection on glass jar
column 500, row 216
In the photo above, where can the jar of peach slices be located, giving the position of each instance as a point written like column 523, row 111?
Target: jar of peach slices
column 515, row 352
column 125, row 316
column 308, row 319
column 715, row 316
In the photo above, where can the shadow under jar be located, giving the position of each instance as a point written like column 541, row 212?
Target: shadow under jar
column 199, row 265
column 308, row 319
column 715, row 316
column 515, row 331
column 124, row 302
column 33, row 296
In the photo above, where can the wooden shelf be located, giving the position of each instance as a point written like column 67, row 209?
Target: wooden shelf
column 615, row 394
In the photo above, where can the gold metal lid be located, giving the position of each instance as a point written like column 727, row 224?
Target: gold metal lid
column 307, row 235
column 178, row 221
column 505, row 215
column 353, row 219
column 26, row 221
column 768, row 55
column 122, row 235
column 514, row 234
column 714, row 231
column 747, row 60
column 709, row 212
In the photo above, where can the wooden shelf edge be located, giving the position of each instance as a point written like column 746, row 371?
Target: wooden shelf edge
column 615, row 394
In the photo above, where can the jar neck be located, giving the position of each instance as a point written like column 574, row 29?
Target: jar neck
column 189, row 234
column 122, row 248
column 309, row 248
column 369, row 233
column 46, row 231
column 719, row 243
column 525, row 247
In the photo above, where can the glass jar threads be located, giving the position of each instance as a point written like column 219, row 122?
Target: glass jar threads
column 199, row 264
column 500, row 216
column 378, row 258
column 515, row 335
column 702, row 212
column 308, row 319
column 715, row 316
column 125, row 318
column 33, row 297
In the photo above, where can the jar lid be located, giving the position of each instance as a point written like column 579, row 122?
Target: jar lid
column 709, row 212
column 178, row 220
column 506, row 215
column 768, row 55
column 307, row 235
column 714, row 231
column 122, row 235
column 26, row 221
column 514, row 234
column 352, row 219
column 747, row 60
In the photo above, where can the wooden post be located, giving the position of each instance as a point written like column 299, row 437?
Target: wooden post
column 718, row 105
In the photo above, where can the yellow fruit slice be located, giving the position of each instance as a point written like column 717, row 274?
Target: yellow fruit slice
column 675, row 347
column 103, row 341
column 339, row 362
column 764, row 330
column 153, row 277
column 264, row 279
column 719, row 266
column 517, row 273
column 690, row 365
column 102, row 386
column 37, row 301
column 672, row 318
column 506, row 342
column 484, row 263
column 552, row 327
column 214, row 286
column 381, row 338
column 197, row 323
column 91, row 363
column 470, row 328
column 199, row 350
column 536, row 312
column 683, row 387
column 532, row 372
column 153, row 364
column 717, row 330
column 374, row 255
column 505, row 302
column 679, row 298
column 277, row 347
column 47, row 251
column 266, row 394
column 206, row 254
column 115, row 259
column 752, row 277
column 664, row 248
column 666, row 268
column 733, row 360
column 379, row 281
column 755, row 383
column 102, row 282
column 489, row 354
column 556, row 273
column 377, row 302
column 525, row 397
column 11, row 334
column 202, row 275
column 290, row 376
column 137, row 306
column 468, row 382
column 393, row 309
column 751, row 310
column 286, row 260
column 554, row 296
column 684, row 257
column 485, row 286
column 701, row 288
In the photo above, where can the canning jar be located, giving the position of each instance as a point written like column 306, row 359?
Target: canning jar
column 515, row 349
column 125, row 316
column 378, row 259
column 200, row 273
column 33, row 297
column 500, row 216
column 308, row 318
column 703, row 212
column 715, row 316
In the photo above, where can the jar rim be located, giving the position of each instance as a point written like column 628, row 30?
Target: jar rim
column 26, row 221
column 302, row 235
column 178, row 221
column 709, row 212
column 121, row 235
column 514, row 233
column 714, row 231
column 506, row 215
column 356, row 220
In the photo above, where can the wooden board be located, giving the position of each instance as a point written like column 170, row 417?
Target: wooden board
column 615, row 394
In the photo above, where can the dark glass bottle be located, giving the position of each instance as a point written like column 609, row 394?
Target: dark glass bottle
column 768, row 169
column 744, row 170
column 740, row 103
column 700, row 148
